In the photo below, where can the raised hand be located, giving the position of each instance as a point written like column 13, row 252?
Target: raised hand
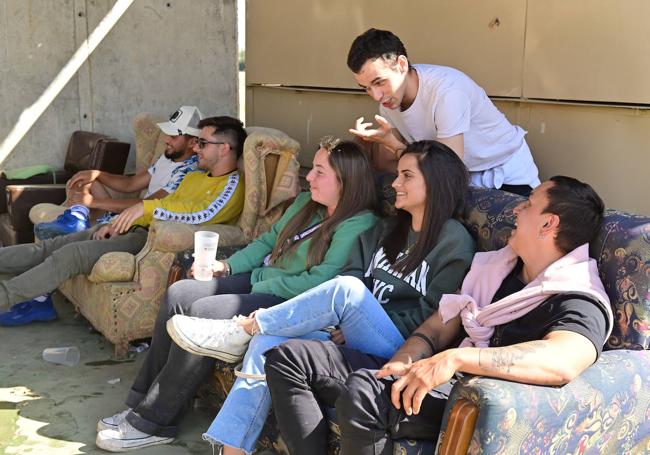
column 383, row 134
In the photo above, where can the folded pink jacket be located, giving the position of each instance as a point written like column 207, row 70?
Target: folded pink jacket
column 574, row 273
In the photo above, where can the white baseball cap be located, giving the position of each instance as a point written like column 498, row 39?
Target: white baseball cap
column 184, row 121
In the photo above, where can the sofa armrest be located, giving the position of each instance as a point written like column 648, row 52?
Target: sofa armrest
column 116, row 266
column 164, row 237
column 21, row 198
column 57, row 177
column 606, row 410
column 168, row 236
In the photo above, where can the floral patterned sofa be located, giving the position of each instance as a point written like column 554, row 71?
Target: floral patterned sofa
column 604, row 411
column 121, row 295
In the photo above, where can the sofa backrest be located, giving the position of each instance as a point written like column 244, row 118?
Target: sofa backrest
column 622, row 250
column 149, row 140
column 87, row 150
column 270, row 167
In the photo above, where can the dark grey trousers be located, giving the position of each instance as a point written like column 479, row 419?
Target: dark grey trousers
column 170, row 376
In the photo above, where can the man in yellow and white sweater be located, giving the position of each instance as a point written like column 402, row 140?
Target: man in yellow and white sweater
column 212, row 197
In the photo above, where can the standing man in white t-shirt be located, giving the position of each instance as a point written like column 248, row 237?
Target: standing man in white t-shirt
column 420, row 102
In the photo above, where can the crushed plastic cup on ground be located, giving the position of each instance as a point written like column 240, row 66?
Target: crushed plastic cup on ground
column 68, row 355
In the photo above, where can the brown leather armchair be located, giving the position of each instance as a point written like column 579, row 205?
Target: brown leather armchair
column 86, row 150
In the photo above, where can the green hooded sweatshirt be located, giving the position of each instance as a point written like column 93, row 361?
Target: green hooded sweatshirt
column 290, row 276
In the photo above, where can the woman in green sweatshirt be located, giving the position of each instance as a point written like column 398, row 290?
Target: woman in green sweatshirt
column 393, row 281
column 307, row 246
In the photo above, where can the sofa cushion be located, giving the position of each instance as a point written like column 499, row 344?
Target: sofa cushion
column 622, row 249
column 115, row 266
column 489, row 218
column 271, row 178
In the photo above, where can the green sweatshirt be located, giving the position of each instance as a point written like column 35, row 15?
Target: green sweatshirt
column 409, row 300
column 291, row 276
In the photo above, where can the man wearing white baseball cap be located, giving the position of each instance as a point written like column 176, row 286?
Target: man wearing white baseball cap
column 160, row 179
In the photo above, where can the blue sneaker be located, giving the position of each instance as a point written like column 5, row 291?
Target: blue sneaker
column 29, row 311
column 74, row 219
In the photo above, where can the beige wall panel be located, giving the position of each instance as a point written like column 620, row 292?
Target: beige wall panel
column 307, row 116
column 594, row 50
column 606, row 147
column 305, row 43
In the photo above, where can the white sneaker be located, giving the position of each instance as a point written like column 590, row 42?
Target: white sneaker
column 126, row 438
column 222, row 339
column 111, row 423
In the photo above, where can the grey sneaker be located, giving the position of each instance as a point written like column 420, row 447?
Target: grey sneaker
column 126, row 438
column 111, row 423
column 222, row 339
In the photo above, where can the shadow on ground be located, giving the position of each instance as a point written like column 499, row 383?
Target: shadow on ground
column 53, row 409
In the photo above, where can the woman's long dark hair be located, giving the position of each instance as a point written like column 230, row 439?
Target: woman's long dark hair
column 446, row 179
column 357, row 193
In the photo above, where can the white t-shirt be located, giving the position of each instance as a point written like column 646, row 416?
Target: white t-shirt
column 167, row 174
column 448, row 103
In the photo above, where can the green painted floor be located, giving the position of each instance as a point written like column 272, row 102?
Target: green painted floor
column 48, row 409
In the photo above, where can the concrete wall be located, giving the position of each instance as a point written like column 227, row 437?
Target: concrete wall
column 159, row 56
column 575, row 74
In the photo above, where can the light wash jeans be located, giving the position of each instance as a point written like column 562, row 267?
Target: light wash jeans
column 344, row 301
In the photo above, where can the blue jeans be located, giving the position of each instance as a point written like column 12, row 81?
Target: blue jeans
column 344, row 301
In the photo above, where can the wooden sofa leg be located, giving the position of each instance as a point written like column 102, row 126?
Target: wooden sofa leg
column 122, row 350
column 457, row 437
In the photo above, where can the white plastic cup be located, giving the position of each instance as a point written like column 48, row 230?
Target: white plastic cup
column 205, row 254
column 68, row 356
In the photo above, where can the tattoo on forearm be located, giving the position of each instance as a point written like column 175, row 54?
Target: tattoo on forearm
column 502, row 359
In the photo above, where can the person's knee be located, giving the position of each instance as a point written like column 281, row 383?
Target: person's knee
column 284, row 357
column 290, row 359
column 71, row 258
column 179, row 298
column 276, row 365
column 350, row 282
column 353, row 290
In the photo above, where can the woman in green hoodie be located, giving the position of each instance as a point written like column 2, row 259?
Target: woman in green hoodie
column 307, row 246
column 393, row 281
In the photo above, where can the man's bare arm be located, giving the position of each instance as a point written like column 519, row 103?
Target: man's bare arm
column 456, row 143
column 555, row 360
column 119, row 205
column 126, row 183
